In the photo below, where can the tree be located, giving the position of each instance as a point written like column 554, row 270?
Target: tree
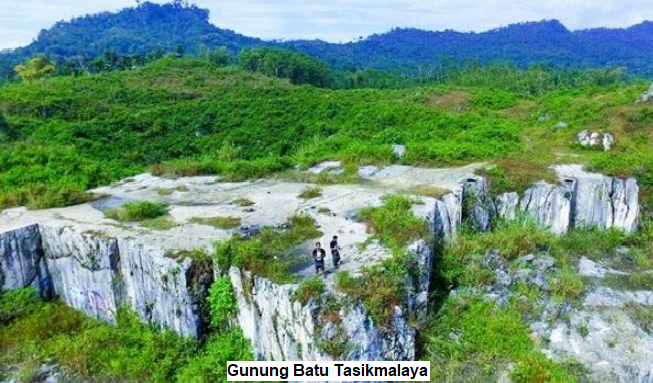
column 297, row 67
column 7, row 133
column 36, row 67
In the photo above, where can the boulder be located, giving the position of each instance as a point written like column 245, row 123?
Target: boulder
column 448, row 215
column 583, row 138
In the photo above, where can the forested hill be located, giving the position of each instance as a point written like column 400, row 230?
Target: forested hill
column 146, row 29
column 526, row 44
column 179, row 28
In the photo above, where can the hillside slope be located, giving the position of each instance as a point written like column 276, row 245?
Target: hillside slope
column 65, row 135
column 172, row 27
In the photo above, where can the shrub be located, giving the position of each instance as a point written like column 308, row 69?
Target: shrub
column 222, row 303
column 309, row 289
column 380, row 288
column 138, row 211
column 469, row 332
column 17, row 303
column 243, row 202
column 310, row 193
column 209, row 365
column 268, row 254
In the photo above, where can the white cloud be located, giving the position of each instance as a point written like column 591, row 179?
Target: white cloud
column 341, row 20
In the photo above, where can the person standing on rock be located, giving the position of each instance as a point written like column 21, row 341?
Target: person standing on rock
column 319, row 254
column 335, row 252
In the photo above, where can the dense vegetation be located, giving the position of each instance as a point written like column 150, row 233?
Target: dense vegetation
column 33, row 332
column 156, row 29
column 64, row 135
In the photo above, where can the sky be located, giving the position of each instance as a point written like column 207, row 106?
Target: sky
column 340, row 20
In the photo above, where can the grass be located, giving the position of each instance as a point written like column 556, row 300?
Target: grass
column 269, row 254
column 567, row 285
column 639, row 280
column 394, row 223
column 138, row 211
column 159, row 223
column 169, row 191
column 461, row 259
column 428, row 191
column 310, row 193
column 218, row 222
column 243, row 202
column 515, row 175
column 380, row 288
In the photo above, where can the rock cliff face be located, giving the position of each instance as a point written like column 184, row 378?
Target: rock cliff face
column 582, row 199
column 21, row 260
column 97, row 275
column 331, row 326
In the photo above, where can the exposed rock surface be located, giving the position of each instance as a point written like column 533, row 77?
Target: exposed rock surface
column 647, row 96
column 97, row 275
column 399, row 151
column 594, row 139
column 46, row 373
column 599, row 331
column 582, row 199
column 550, row 205
column 97, row 265
column 478, row 207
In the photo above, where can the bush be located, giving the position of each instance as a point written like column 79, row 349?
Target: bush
column 209, row 365
column 309, row 289
column 17, row 303
column 488, row 336
column 310, row 193
column 138, row 211
column 222, row 303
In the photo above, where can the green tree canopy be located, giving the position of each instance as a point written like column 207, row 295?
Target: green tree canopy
column 298, row 68
column 36, row 67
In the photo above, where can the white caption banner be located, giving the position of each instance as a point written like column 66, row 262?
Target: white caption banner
column 329, row 371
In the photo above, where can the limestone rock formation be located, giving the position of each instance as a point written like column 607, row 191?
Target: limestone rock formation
column 647, row 96
column 550, row 205
column 97, row 275
column 478, row 207
column 595, row 139
column 507, row 205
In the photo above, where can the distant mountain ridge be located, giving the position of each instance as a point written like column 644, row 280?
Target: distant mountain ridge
column 172, row 27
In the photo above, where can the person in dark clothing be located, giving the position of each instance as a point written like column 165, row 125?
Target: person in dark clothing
column 335, row 252
column 319, row 254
